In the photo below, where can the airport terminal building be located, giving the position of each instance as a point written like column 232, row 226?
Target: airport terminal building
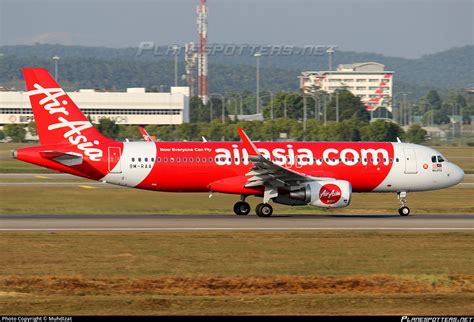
column 369, row 81
column 134, row 106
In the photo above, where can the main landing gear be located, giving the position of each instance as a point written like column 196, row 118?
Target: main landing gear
column 242, row 208
column 402, row 199
column 264, row 210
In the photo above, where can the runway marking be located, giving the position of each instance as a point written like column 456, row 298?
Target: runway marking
column 87, row 187
column 227, row 229
column 41, row 177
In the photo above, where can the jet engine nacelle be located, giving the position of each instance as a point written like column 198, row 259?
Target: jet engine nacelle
column 330, row 194
column 326, row 194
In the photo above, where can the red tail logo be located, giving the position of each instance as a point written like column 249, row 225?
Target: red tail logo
column 58, row 119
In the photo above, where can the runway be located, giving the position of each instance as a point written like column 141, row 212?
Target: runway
column 421, row 222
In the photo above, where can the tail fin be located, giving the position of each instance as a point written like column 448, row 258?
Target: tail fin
column 147, row 137
column 58, row 119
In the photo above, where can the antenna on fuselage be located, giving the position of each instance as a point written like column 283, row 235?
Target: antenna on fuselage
column 398, row 140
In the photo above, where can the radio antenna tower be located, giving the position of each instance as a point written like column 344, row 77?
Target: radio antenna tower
column 190, row 59
column 202, row 52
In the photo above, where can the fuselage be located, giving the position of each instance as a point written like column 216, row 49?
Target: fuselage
column 221, row 166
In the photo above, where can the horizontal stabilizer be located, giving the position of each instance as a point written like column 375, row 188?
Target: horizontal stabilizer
column 66, row 158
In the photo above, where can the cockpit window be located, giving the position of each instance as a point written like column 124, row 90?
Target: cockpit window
column 433, row 158
column 440, row 158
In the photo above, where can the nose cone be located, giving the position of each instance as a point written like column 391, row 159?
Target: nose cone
column 456, row 174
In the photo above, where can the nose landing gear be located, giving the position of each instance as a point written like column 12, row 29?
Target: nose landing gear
column 402, row 198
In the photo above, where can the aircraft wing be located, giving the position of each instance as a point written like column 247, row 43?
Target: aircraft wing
column 66, row 158
column 269, row 174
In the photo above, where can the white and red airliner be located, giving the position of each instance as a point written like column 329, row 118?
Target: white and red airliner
column 321, row 174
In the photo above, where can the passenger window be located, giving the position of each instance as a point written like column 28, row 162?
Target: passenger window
column 191, row 160
column 203, row 159
column 440, row 158
column 185, row 160
column 210, row 160
column 396, row 160
column 171, row 159
column 133, row 159
column 165, row 159
column 433, row 158
column 152, row 159
column 159, row 159
column 139, row 159
column 178, row 159
column 146, row 159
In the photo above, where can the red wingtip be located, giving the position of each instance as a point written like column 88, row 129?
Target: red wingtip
column 248, row 144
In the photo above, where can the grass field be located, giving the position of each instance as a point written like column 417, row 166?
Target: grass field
column 109, row 200
column 237, row 273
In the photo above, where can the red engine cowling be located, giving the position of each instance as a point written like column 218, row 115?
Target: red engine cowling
column 330, row 194
column 327, row 194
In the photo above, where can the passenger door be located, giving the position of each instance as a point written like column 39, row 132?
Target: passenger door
column 410, row 161
column 114, row 159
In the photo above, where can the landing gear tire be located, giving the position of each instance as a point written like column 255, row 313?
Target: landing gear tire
column 402, row 199
column 264, row 210
column 404, row 211
column 241, row 208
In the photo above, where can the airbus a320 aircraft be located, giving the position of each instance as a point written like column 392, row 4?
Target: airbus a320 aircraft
column 321, row 174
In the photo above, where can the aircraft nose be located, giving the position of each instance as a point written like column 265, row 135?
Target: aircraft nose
column 456, row 174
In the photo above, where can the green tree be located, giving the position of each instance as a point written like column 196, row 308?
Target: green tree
column 108, row 128
column 32, row 128
column 130, row 132
column 16, row 132
column 196, row 108
column 2, row 135
column 434, row 99
column 350, row 106
column 381, row 131
column 291, row 102
column 415, row 134
column 188, row 131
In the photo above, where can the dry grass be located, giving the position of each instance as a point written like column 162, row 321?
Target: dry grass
column 237, row 273
column 238, row 285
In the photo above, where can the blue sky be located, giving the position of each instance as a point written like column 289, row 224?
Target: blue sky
column 395, row 28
